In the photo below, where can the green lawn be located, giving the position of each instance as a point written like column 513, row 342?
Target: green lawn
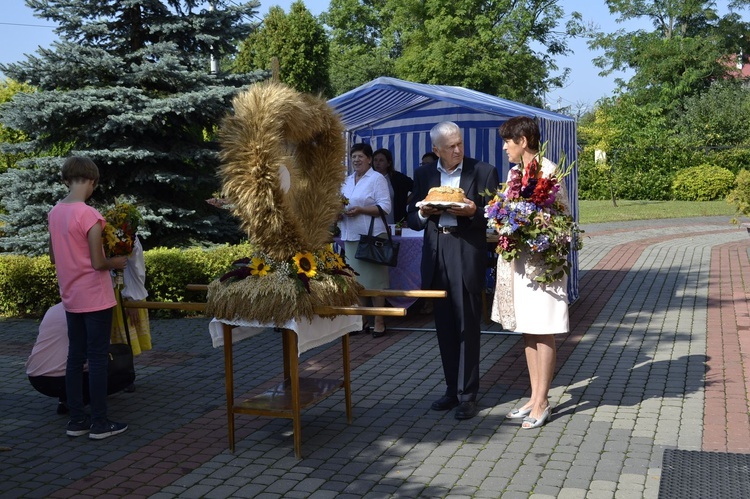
column 603, row 211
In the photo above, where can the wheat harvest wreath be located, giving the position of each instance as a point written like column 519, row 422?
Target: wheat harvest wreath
column 282, row 169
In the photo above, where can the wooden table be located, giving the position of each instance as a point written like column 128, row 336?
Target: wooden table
column 288, row 398
column 293, row 393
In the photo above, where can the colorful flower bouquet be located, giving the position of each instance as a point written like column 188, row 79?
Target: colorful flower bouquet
column 528, row 216
column 119, row 233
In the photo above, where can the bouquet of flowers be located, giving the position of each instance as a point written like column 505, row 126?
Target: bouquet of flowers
column 119, row 233
column 528, row 216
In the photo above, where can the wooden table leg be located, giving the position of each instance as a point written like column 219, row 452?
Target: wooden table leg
column 347, row 377
column 229, row 382
column 285, row 339
column 290, row 354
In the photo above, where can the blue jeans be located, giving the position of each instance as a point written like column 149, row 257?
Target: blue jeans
column 88, row 335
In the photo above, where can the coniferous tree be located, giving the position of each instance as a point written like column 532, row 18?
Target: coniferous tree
column 129, row 84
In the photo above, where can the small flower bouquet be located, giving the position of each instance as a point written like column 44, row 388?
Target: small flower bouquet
column 528, row 216
column 118, row 236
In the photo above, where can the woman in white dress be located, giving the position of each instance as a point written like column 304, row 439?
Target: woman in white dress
column 538, row 311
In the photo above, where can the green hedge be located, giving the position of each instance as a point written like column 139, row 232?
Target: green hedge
column 704, row 182
column 28, row 285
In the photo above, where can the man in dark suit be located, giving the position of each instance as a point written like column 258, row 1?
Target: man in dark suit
column 454, row 258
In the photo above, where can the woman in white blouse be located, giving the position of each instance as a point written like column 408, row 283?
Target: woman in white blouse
column 365, row 189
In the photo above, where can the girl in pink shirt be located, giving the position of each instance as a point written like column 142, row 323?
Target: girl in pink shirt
column 88, row 297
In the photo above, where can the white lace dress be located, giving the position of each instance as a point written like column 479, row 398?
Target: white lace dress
column 523, row 305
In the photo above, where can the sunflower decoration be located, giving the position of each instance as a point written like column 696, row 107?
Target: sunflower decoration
column 305, row 263
column 297, row 278
column 282, row 156
column 333, row 261
column 258, row 266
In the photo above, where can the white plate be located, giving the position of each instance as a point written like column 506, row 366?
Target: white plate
column 441, row 205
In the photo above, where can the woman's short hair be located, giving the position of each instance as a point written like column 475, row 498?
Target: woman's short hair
column 388, row 157
column 80, row 167
column 519, row 127
column 364, row 148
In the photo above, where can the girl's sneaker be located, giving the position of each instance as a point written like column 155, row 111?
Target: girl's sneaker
column 100, row 431
column 78, row 428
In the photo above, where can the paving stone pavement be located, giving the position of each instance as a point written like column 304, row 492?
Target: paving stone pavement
column 657, row 358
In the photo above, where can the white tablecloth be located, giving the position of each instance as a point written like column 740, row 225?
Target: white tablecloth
column 310, row 334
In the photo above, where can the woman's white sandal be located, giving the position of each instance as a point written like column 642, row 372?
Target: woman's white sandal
column 518, row 413
column 529, row 422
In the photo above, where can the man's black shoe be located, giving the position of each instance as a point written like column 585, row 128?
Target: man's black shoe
column 467, row 410
column 445, row 403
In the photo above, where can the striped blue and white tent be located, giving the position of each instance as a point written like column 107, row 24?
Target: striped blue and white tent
column 398, row 115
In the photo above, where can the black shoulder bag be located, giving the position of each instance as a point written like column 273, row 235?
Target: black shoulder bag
column 380, row 250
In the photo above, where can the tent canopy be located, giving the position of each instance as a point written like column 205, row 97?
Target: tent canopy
column 398, row 115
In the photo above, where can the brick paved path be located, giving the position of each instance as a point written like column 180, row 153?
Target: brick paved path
column 657, row 358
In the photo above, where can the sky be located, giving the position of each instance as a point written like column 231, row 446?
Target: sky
column 21, row 33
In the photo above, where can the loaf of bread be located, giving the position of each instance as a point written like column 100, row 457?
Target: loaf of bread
column 445, row 194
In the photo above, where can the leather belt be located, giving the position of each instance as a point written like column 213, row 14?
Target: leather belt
column 448, row 230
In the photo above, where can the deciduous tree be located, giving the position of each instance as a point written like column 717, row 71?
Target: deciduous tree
column 299, row 42
column 690, row 47
column 504, row 48
column 8, row 89
column 358, row 48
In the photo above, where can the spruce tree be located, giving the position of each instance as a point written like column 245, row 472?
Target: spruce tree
column 129, row 84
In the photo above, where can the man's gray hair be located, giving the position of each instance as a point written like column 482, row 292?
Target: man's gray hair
column 442, row 130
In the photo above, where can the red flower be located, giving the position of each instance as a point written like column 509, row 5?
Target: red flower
column 530, row 172
column 541, row 194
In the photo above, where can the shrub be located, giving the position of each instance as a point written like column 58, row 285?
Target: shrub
column 704, row 182
column 594, row 180
column 28, row 285
column 733, row 159
column 170, row 270
column 653, row 185
column 740, row 195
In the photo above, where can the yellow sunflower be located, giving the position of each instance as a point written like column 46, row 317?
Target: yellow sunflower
column 338, row 261
column 258, row 267
column 305, row 263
